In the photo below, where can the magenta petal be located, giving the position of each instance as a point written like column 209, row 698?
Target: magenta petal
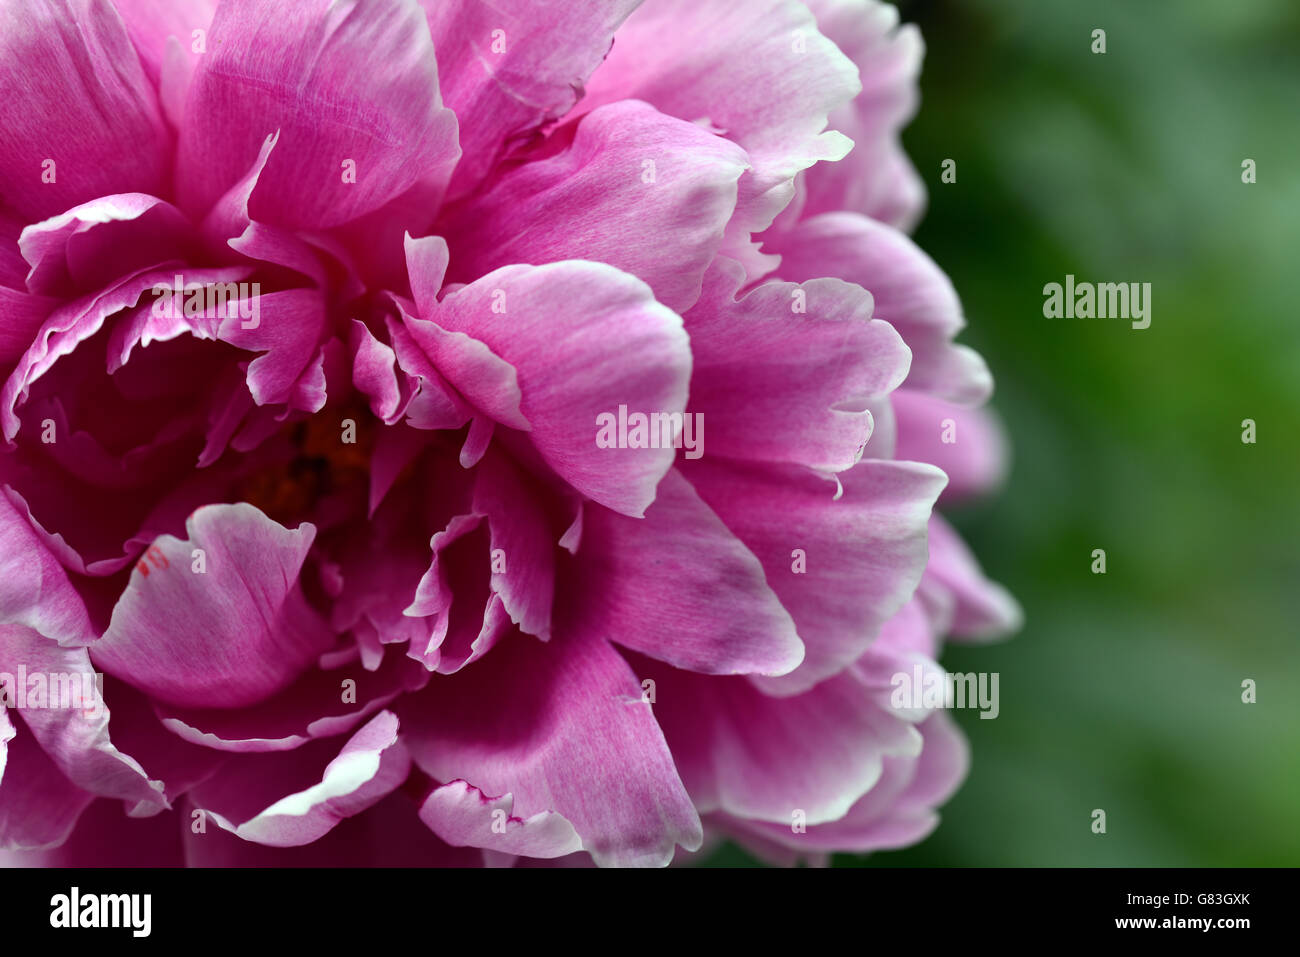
column 314, row 706
column 770, row 402
column 841, row 566
column 755, row 756
column 21, row 317
column 632, row 577
column 35, row 590
column 583, row 338
column 521, row 724
column 151, row 22
column 72, row 93
column 488, row 382
column 288, row 331
column 227, row 637
column 70, row 721
column 523, row 559
column 760, row 72
column 72, row 726
column 352, row 137
column 102, row 240
column 648, row 193
column 911, row 293
column 389, row 834
column 248, row 796
column 105, row 837
column 39, row 806
column 898, row 811
column 375, row 374
column 80, row 319
column 507, row 69
column 464, row 816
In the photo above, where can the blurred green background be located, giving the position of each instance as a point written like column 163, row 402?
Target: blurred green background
column 1123, row 691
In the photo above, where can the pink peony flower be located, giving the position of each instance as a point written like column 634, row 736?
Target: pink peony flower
column 455, row 439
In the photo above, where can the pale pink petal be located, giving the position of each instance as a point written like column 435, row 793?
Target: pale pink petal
column 899, row 811
column 968, row 444
column 464, row 816
column 151, row 22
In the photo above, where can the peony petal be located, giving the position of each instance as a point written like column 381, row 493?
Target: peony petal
column 841, row 566
column 508, row 69
column 982, row 610
column 464, row 816
column 769, row 402
column 520, row 537
column 105, row 239
column 387, row 835
column 105, row 837
column 231, row 636
column 21, row 317
column 679, row 587
column 35, row 590
column 760, row 72
column 584, row 339
column 521, row 724
column 288, row 329
column 151, row 22
column 488, row 382
column 911, row 293
column 375, row 374
column 645, row 192
column 38, row 805
column 751, row 755
column 71, row 721
column 78, row 118
column 81, row 319
column 454, row 595
column 351, row 137
column 876, row 178
column 319, row 704
column 968, row 444
column 370, row 766
column 899, row 810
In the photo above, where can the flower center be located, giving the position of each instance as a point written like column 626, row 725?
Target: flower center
column 326, row 459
